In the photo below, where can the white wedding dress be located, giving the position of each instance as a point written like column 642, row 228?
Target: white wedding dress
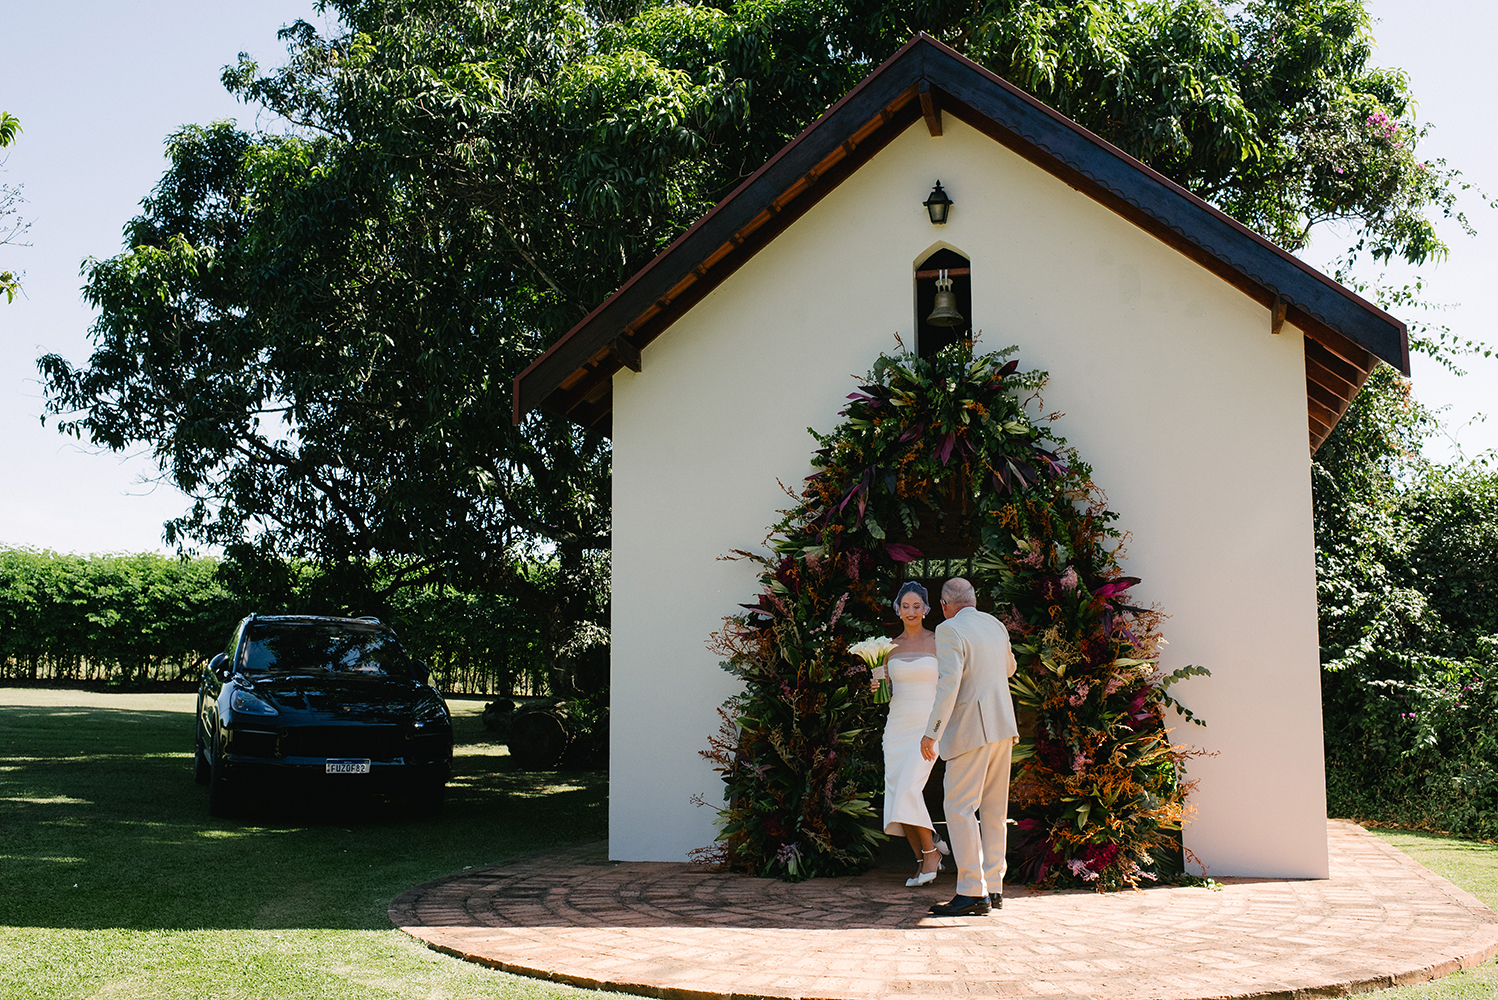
column 913, row 692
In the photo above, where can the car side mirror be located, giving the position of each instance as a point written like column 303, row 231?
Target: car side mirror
column 423, row 672
column 219, row 667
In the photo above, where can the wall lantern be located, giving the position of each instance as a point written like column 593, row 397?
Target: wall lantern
column 938, row 205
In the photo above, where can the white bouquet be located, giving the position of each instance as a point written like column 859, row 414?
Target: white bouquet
column 875, row 652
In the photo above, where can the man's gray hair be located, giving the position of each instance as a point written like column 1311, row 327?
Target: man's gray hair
column 958, row 593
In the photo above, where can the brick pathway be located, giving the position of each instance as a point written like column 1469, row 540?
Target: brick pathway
column 673, row 931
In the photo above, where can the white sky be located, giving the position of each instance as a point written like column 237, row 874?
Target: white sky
column 99, row 84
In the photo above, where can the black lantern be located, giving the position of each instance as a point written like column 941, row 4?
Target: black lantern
column 938, row 205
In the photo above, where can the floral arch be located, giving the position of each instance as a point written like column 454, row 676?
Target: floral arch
column 1098, row 791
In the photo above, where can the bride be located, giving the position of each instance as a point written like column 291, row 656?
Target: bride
column 912, row 674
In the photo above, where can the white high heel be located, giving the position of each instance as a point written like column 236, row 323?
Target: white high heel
column 923, row 878
column 941, row 845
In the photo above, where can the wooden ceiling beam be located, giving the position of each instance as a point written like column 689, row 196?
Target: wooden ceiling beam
column 1334, row 365
column 1324, row 414
column 1326, row 397
column 1341, row 347
column 930, row 110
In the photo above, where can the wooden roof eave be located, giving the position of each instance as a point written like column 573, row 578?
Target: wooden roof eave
column 1163, row 208
column 1336, row 369
column 923, row 79
column 791, row 182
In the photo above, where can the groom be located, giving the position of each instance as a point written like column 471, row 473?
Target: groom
column 974, row 719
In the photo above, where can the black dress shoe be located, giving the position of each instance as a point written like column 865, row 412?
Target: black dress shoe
column 996, row 900
column 963, row 906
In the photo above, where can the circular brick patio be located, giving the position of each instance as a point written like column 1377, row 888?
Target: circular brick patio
column 675, row 931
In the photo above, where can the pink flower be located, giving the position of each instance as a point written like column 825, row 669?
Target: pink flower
column 1069, row 579
column 837, row 612
column 1079, row 868
column 1382, row 125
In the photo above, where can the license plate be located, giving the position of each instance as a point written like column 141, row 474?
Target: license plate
column 348, row 767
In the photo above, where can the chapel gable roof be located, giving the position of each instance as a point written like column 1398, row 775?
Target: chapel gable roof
column 1345, row 336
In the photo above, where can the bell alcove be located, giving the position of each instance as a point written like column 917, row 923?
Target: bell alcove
column 932, row 337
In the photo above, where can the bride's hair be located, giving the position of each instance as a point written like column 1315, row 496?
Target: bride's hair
column 910, row 587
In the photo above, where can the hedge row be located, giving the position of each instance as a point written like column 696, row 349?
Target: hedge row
column 153, row 619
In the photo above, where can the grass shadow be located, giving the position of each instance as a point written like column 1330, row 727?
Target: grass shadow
column 104, row 828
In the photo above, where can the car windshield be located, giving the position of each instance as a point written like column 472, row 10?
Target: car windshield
column 315, row 647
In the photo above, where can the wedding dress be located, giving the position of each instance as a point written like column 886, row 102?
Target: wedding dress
column 913, row 692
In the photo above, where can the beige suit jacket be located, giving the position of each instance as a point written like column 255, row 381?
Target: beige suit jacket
column 974, row 663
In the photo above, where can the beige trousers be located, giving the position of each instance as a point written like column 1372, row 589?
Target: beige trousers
column 977, row 782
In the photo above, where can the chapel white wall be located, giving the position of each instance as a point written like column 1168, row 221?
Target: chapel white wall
column 1191, row 413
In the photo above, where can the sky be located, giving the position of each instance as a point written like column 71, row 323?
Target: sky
column 98, row 85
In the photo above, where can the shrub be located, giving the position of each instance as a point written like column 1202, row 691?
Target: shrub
column 1407, row 564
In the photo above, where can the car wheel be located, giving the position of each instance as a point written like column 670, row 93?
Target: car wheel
column 200, row 769
column 220, row 797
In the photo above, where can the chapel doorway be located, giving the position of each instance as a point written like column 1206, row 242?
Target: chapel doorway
column 947, row 538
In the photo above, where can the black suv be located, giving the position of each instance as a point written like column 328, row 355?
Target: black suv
column 314, row 704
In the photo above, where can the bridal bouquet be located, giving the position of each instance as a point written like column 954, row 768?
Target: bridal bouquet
column 875, row 652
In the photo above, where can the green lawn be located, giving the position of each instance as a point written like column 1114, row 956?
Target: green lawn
column 115, row 882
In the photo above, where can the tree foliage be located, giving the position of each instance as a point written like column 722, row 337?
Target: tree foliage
column 1407, row 567
column 1270, row 110
column 317, row 342
column 146, row 618
column 118, row 618
column 12, row 226
column 316, row 329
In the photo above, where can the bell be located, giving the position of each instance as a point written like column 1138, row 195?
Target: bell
column 945, row 313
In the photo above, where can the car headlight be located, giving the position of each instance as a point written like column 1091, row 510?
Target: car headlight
column 249, row 704
column 430, row 712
